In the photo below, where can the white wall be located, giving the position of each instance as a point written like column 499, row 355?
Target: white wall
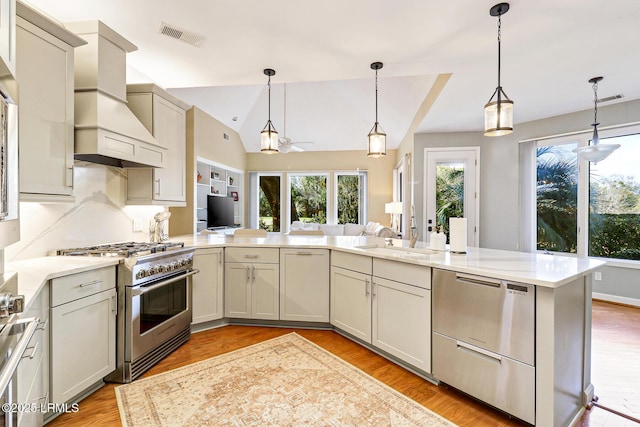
column 99, row 215
column 499, row 181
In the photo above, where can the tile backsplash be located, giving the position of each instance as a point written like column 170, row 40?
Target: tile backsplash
column 99, row 215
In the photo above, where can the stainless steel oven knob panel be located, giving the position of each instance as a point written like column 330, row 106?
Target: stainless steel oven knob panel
column 10, row 304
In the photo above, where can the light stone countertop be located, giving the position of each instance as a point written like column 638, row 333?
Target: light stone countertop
column 533, row 268
column 537, row 269
column 33, row 273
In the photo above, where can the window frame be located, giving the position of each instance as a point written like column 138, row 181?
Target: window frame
column 285, row 195
column 584, row 168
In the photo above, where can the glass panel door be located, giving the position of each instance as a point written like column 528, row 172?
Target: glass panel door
column 451, row 190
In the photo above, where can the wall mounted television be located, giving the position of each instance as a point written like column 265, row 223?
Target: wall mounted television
column 220, row 211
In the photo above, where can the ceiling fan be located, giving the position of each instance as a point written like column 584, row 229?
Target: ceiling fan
column 286, row 145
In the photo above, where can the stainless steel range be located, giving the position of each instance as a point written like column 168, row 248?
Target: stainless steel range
column 154, row 302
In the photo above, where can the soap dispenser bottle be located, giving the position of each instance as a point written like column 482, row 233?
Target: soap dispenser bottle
column 442, row 240
column 433, row 238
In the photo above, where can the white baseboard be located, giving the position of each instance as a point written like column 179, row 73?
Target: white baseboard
column 615, row 298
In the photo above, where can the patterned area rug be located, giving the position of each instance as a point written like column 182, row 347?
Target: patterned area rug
column 286, row 381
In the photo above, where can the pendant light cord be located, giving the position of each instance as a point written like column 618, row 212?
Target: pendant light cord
column 595, row 103
column 376, row 96
column 269, row 86
column 499, row 40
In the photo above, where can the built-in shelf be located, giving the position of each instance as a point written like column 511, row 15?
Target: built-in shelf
column 221, row 181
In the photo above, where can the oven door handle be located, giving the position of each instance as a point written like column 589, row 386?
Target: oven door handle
column 140, row 290
column 10, row 367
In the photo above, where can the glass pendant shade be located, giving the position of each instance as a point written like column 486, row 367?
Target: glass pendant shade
column 377, row 146
column 269, row 136
column 595, row 152
column 498, row 118
column 498, row 114
column 377, row 142
column 269, row 139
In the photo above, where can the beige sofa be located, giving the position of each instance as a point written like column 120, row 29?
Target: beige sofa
column 371, row 229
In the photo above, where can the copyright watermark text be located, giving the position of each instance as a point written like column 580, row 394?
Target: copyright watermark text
column 40, row 407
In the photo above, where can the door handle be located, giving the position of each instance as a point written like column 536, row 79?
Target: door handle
column 253, row 273
column 479, row 351
column 366, row 288
column 248, row 274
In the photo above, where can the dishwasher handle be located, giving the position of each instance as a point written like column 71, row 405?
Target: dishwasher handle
column 477, row 280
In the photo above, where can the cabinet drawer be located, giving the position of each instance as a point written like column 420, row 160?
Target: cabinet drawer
column 262, row 255
column 353, row 262
column 411, row 274
column 75, row 286
column 482, row 375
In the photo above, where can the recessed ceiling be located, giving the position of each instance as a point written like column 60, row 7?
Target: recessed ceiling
column 322, row 50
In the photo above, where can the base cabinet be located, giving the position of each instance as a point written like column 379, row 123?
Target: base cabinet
column 392, row 315
column 304, row 285
column 83, row 331
column 252, row 288
column 208, row 285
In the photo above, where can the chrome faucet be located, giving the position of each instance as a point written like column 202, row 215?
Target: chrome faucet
column 414, row 230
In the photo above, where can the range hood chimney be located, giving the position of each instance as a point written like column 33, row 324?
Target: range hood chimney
column 106, row 131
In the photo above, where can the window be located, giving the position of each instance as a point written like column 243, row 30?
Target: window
column 350, row 198
column 324, row 197
column 557, row 197
column 308, row 198
column 614, row 201
column 589, row 208
column 269, row 202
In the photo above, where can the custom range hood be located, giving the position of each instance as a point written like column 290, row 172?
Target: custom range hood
column 106, row 131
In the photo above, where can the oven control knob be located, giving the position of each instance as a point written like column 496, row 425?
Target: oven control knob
column 140, row 274
column 175, row 265
column 164, row 268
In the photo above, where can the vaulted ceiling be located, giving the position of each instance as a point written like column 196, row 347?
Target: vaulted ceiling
column 322, row 52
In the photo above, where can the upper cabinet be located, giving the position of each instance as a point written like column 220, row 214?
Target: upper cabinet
column 44, row 67
column 7, row 37
column 164, row 116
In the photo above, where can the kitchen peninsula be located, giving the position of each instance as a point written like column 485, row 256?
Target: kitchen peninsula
column 395, row 281
column 560, row 371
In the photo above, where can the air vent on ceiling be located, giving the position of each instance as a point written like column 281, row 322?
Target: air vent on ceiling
column 610, row 98
column 180, row 34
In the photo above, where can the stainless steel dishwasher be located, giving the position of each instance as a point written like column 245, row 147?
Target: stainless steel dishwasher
column 484, row 339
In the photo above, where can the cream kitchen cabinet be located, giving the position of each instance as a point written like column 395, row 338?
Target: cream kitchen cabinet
column 165, row 117
column 304, row 285
column 44, row 63
column 384, row 303
column 83, row 331
column 33, row 371
column 208, row 285
column 251, row 283
column 8, row 37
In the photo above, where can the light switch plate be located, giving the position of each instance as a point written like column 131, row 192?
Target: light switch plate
column 597, row 275
column 137, row 224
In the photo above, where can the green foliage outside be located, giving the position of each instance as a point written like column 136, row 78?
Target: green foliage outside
column 449, row 195
column 309, row 198
column 614, row 208
column 348, row 199
column 557, row 199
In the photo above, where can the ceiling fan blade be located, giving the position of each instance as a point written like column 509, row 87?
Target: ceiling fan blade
column 294, row 147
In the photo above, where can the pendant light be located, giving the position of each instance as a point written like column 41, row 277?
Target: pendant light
column 377, row 137
column 498, row 114
column 595, row 152
column 269, row 135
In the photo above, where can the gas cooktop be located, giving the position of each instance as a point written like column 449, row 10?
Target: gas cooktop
column 126, row 249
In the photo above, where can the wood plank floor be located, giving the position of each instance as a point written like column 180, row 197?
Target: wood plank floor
column 101, row 408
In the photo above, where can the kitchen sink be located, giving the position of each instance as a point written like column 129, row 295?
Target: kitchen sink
column 399, row 251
